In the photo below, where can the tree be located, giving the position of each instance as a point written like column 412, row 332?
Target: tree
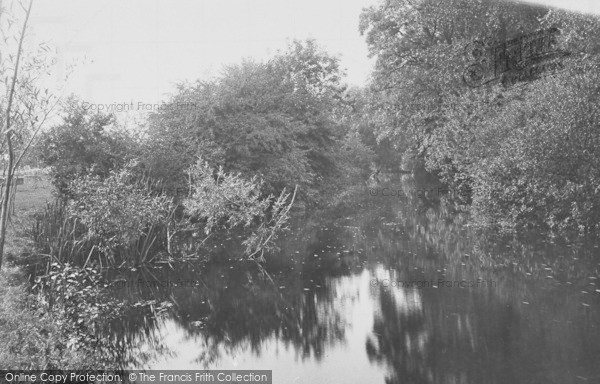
column 26, row 106
column 419, row 47
column 84, row 143
column 275, row 120
column 524, row 155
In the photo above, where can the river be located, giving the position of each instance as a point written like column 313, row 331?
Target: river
column 388, row 287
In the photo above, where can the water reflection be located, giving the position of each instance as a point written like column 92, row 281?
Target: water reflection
column 317, row 317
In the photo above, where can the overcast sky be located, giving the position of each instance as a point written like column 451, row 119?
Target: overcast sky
column 136, row 50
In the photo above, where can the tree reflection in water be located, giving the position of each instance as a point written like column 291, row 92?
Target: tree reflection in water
column 534, row 324
column 234, row 306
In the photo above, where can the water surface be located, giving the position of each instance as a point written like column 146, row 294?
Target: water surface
column 386, row 288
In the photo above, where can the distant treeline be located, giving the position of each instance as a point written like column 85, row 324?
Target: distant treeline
column 522, row 153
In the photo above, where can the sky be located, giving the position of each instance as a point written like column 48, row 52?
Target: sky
column 137, row 50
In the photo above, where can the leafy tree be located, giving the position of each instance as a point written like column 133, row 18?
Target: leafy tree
column 515, row 152
column 25, row 105
column 84, row 143
column 364, row 123
column 580, row 32
column 419, row 46
column 275, row 120
column 545, row 171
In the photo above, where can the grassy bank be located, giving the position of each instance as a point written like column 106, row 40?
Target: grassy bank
column 28, row 336
column 30, row 198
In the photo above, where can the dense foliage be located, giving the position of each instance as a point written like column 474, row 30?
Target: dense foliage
column 227, row 201
column 116, row 210
column 84, row 143
column 524, row 156
column 60, row 325
column 279, row 120
column 541, row 165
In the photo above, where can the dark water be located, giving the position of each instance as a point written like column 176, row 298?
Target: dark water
column 337, row 305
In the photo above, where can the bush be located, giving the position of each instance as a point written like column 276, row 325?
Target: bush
column 226, row 201
column 530, row 155
column 113, row 222
column 117, row 212
column 548, row 169
column 33, row 336
column 78, row 296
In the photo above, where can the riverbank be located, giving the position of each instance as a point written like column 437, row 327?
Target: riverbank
column 30, row 198
column 19, row 321
column 30, row 336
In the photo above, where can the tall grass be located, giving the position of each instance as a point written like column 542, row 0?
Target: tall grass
column 59, row 237
column 62, row 239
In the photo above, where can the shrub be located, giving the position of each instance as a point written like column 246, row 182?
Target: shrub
column 116, row 212
column 113, row 221
column 547, row 171
column 531, row 155
column 33, row 336
column 77, row 295
column 226, row 201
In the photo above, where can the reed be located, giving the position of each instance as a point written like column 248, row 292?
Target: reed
column 61, row 239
